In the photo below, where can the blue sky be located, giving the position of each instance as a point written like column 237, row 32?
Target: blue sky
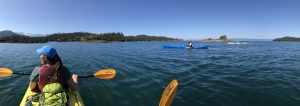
column 185, row 19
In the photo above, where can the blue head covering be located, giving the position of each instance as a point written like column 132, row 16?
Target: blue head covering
column 47, row 50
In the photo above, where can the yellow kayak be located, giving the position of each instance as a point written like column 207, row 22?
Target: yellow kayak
column 74, row 98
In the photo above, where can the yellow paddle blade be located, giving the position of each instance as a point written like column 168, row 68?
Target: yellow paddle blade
column 169, row 93
column 4, row 72
column 105, row 74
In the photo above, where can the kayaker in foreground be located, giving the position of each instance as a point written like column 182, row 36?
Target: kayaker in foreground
column 52, row 77
column 51, row 70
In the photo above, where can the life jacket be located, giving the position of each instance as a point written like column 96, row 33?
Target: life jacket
column 47, row 76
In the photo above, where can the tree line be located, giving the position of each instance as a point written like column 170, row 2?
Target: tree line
column 287, row 38
column 81, row 36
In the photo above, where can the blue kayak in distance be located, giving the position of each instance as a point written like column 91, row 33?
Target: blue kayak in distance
column 185, row 47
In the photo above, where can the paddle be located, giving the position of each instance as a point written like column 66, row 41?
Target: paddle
column 101, row 74
column 169, row 93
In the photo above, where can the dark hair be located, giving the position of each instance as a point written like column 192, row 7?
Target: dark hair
column 55, row 60
column 59, row 70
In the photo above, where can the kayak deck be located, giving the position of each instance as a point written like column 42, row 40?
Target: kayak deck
column 74, row 98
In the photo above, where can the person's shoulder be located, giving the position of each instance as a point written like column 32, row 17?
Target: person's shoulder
column 36, row 68
column 34, row 74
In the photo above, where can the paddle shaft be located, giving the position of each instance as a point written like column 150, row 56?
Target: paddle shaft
column 21, row 73
column 88, row 76
column 101, row 74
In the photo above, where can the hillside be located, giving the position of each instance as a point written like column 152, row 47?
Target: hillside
column 11, row 37
column 6, row 33
column 287, row 38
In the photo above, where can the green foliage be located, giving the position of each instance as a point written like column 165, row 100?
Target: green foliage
column 147, row 38
column 16, row 39
column 81, row 36
column 287, row 38
column 223, row 37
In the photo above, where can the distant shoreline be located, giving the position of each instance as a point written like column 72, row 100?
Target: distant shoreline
column 287, row 38
column 96, row 41
column 11, row 37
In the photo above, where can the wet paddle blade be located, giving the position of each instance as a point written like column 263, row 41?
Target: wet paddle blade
column 105, row 74
column 4, row 72
column 169, row 93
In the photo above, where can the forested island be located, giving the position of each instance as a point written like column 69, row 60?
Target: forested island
column 287, row 38
column 223, row 38
column 12, row 37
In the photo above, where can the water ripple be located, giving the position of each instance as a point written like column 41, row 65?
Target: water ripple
column 256, row 74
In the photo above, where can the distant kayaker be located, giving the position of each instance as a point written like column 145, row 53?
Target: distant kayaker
column 190, row 44
column 51, row 70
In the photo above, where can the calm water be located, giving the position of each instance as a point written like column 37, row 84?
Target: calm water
column 255, row 74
